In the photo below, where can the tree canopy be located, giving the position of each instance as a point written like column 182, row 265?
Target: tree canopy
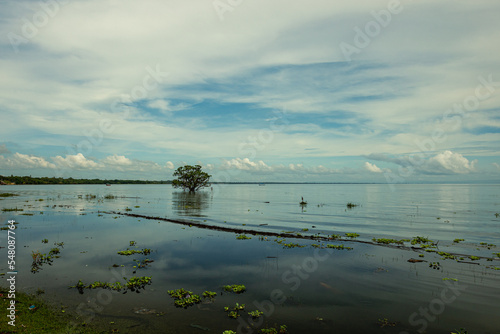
column 191, row 178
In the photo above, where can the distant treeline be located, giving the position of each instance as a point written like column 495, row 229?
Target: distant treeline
column 59, row 180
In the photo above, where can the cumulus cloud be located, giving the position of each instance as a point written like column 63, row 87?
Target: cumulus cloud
column 117, row 160
column 169, row 165
column 76, row 161
column 372, row 168
column 24, row 161
column 245, row 164
column 446, row 162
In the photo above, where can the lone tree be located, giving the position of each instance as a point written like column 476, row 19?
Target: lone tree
column 191, row 177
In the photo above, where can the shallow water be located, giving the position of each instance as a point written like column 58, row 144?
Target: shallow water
column 315, row 289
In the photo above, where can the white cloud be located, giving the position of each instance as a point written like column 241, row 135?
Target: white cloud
column 446, row 162
column 246, row 164
column 449, row 162
column 24, row 161
column 169, row 165
column 117, row 160
column 77, row 161
column 372, row 168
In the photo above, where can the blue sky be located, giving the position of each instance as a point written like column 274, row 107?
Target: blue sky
column 308, row 91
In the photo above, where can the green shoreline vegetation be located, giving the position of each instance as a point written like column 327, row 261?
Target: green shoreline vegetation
column 59, row 180
column 42, row 317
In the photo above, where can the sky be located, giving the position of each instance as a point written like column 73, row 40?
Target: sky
column 297, row 91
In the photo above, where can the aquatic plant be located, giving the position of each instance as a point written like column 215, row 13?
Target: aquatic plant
column 255, row 314
column 242, row 237
column 235, row 311
column 351, row 235
column 128, row 252
column 11, row 209
column 339, row 247
column 128, row 209
column 54, row 251
column 446, row 256
column 303, row 202
column 435, row 265
column 109, row 196
column 282, row 330
column 387, row 241
column 496, row 254
column 385, row 322
column 8, row 195
column 236, row 288
column 228, row 332
column 460, row 331
column 44, row 241
column 474, row 258
column 144, row 263
column 133, row 284
column 351, row 205
column 209, row 294
column 497, row 214
column 421, row 240
column 290, row 245
column 450, row 279
column 184, row 298
column 458, row 240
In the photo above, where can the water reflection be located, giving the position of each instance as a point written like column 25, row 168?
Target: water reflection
column 190, row 204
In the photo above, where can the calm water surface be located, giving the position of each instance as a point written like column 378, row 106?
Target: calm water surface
column 308, row 289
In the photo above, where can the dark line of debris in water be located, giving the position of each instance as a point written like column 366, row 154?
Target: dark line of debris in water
column 282, row 235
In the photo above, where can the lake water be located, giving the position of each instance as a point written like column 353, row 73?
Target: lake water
column 310, row 289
